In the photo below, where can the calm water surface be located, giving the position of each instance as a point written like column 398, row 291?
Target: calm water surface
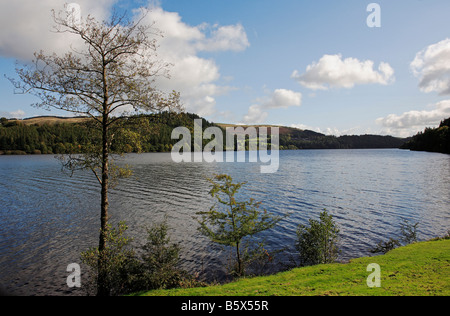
column 47, row 218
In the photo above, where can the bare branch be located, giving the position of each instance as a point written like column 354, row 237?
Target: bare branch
column 114, row 70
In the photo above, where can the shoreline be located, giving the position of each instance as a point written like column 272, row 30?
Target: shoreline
column 417, row 269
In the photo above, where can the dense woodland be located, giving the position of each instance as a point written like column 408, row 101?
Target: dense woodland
column 143, row 133
column 298, row 139
column 432, row 139
column 152, row 133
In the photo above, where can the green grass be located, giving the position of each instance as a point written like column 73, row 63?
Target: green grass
column 421, row 269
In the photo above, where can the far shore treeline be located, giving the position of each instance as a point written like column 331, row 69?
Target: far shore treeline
column 432, row 139
column 52, row 135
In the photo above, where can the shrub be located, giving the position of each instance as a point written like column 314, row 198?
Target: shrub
column 118, row 262
column 318, row 243
column 408, row 233
column 385, row 247
column 158, row 267
column 160, row 261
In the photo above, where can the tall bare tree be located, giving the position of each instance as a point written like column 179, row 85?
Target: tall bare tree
column 112, row 75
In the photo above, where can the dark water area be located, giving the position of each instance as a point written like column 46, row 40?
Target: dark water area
column 47, row 218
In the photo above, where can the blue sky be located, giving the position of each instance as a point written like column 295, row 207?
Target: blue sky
column 307, row 64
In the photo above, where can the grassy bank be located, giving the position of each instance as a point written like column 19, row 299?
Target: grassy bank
column 421, row 269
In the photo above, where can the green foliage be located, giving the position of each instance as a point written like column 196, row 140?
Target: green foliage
column 369, row 141
column 386, row 246
column 304, row 139
column 3, row 121
column 408, row 232
column 126, row 272
column 152, row 133
column 445, row 122
column 118, row 262
column 230, row 222
column 48, row 139
column 318, row 243
column 140, row 133
column 160, row 267
column 432, row 139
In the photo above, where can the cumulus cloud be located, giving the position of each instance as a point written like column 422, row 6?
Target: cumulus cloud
column 411, row 122
column 331, row 71
column 29, row 26
column 193, row 76
column 282, row 98
column 255, row 115
column 278, row 99
column 432, row 66
column 19, row 114
column 224, row 38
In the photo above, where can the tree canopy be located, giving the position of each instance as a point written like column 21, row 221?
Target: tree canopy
column 105, row 79
column 432, row 139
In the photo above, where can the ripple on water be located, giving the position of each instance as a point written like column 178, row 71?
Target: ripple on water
column 47, row 218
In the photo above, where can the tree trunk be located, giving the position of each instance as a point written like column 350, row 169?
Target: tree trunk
column 102, row 287
column 238, row 255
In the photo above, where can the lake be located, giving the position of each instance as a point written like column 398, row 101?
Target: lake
column 48, row 218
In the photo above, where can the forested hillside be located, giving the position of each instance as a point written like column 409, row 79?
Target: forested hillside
column 432, row 139
column 298, row 139
column 144, row 133
column 151, row 133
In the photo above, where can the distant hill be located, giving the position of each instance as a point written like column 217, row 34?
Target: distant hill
column 294, row 138
column 432, row 139
column 59, row 135
column 41, row 120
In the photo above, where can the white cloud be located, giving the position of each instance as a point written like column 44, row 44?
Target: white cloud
column 19, row 114
column 331, row 71
column 279, row 99
column 255, row 115
column 282, row 98
column 193, row 76
column 329, row 131
column 302, row 127
column 411, row 122
column 225, row 38
column 29, row 24
column 432, row 66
